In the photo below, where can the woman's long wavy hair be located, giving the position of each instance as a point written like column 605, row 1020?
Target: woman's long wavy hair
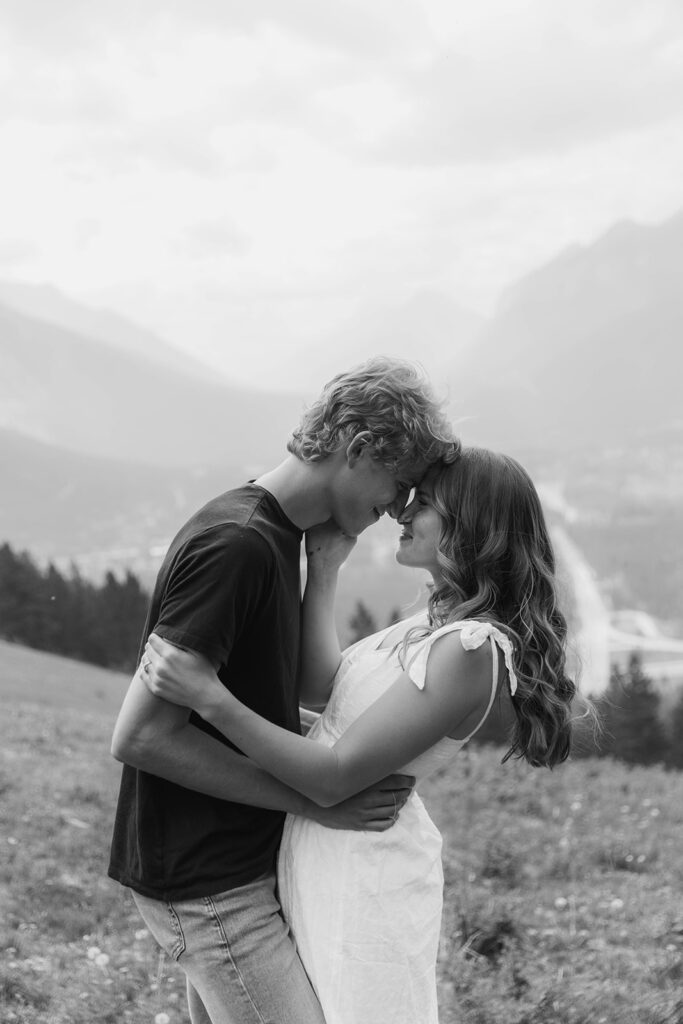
column 497, row 565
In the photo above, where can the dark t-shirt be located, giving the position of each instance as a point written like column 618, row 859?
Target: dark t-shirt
column 229, row 587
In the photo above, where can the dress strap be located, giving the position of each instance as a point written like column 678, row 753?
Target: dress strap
column 473, row 633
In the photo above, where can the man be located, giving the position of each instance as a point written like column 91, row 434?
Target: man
column 198, row 825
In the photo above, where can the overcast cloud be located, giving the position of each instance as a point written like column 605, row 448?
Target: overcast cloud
column 262, row 173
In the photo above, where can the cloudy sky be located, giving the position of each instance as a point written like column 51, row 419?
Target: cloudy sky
column 259, row 177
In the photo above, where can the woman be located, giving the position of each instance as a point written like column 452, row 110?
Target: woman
column 365, row 908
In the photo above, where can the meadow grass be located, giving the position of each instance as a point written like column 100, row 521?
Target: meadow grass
column 563, row 889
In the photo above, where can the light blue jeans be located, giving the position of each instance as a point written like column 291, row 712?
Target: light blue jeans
column 238, row 955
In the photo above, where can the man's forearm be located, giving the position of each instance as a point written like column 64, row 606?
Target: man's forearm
column 191, row 758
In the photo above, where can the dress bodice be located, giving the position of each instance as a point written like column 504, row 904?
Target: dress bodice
column 367, row 669
column 364, row 906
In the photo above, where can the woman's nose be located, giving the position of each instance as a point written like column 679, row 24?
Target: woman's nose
column 406, row 513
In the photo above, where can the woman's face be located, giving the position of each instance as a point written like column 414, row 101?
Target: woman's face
column 418, row 543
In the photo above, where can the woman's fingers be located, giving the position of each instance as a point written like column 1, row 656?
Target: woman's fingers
column 156, row 643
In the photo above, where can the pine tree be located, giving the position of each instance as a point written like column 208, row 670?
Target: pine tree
column 70, row 616
column 362, row 623
column 630, row 708
column 675, row 758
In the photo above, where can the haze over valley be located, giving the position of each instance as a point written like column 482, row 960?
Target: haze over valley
column 109, row 437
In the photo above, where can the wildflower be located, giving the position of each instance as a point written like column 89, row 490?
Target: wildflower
column 576, row 806
column 655, row 812
column 93, row 951
column 141, row 934
column 12, row 841
column 162, row 1018
column 641, row 858
column 102, row 960
column 616, row 904
column 560, row 902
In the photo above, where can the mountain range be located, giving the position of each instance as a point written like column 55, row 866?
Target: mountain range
column 109, row 437
column 584, row 351
column 83, row 392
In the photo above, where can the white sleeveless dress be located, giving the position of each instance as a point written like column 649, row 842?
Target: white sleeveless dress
column 365, row 907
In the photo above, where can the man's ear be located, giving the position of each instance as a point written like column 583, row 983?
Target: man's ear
column 357, row 445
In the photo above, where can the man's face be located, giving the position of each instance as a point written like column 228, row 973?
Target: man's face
column 367, row 489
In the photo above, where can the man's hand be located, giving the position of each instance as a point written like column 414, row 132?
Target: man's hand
column 375, row 809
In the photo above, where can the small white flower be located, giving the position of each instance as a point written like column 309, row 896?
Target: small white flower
column 141, row 934
column 616, row 904
column 655, row 812
column 560, row 902
column 162, row 1018
column 93, row 951
column 576, row 806
column 102, row 960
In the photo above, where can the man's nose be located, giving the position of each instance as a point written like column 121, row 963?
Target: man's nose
column 398, row 505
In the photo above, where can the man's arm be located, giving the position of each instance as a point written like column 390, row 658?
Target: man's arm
column 157, row 737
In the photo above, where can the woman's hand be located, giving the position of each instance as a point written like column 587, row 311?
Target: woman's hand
column 180, row 677
column 327, row 547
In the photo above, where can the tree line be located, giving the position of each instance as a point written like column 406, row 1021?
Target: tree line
column 71, row 616
column 632, row 726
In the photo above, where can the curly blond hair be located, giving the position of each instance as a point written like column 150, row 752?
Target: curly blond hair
column 392, row 400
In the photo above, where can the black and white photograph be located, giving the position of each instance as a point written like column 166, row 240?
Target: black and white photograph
column 341, row 512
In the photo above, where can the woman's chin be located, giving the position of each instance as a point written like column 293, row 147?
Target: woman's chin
column 402, row 557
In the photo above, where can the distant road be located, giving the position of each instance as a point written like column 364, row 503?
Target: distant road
column 592, row 636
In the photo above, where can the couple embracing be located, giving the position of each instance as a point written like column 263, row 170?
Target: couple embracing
column 297, row 879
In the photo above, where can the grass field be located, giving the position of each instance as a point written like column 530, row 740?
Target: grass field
column 563, row 889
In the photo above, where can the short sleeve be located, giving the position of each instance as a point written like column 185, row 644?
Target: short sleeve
column 217, row 580
column 472, row 635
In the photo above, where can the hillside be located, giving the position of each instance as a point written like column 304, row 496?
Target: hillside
column 561, row 888
column 48, row 681
column 81, row 393
column 45, row 302
column 585, row 350
column 57, row 502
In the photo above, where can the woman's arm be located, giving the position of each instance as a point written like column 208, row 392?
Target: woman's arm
column 326, row 550
column 157, row 737
column 400, row 725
